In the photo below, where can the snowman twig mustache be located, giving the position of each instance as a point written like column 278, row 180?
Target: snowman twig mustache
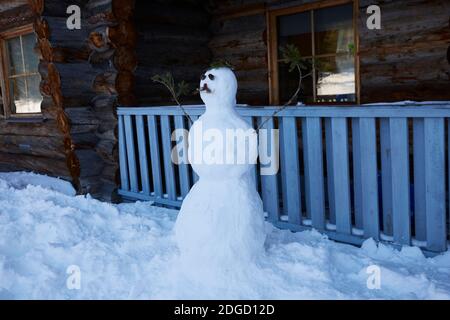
column 205, row 88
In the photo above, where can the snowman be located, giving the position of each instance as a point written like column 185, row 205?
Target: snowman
column 221, row 220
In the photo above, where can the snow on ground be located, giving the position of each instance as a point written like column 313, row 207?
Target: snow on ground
column 127, row 251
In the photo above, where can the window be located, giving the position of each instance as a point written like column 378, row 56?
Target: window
column 325, row 37
column 20, row 80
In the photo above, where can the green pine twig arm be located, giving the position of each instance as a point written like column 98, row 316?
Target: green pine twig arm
column 169, row 83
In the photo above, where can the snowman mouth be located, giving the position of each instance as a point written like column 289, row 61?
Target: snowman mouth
column 205, row 88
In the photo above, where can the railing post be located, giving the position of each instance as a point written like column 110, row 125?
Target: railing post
column 369, row 178
column 314, row 179
column 435, row 184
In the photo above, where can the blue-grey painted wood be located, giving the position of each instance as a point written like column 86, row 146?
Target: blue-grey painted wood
column 182, row 148
column 123, row 161
column 377, row 111
column 330, row 170
column 291, row 169
column 386, row 177
column 142, row 151
column 430, row 171
column 249, row 120
column 269, row 183
column 435, row 184
column 419, row 180
column 314, row 180
column 195, row 176
column 400, row 180
column 153, row 136
column 369, row 179
column 341, row 181
column 284, row 210
column 357, row 189
column 129, row 137
column 169, row 170
column 253, row 172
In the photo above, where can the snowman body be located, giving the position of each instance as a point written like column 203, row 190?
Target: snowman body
column 221, row 218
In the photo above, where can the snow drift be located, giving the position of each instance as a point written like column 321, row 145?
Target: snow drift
column 127, row 251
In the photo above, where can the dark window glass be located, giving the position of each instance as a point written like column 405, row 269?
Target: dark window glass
column 333, row 29
column 296, row 29
column 288, row 83
column 325, row 38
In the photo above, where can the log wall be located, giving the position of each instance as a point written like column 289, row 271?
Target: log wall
column 86, row 73
column 39, row 146
column 239, row 36
column 405, row 60
column 172, row 37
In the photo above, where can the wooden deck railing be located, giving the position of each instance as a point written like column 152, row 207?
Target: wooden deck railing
column 350, row 172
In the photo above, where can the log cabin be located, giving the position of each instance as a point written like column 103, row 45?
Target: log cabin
column 60, row 88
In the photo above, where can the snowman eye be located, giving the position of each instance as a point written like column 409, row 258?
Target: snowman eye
column 211, row 77
column 203, row 77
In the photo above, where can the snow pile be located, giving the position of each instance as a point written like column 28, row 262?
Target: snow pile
column 127, row 251
column 20, row 180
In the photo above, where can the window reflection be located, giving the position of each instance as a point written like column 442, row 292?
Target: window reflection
column 336, row 79
column 326, row 37
column 24, row 79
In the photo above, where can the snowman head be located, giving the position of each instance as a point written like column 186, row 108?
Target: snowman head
column 218, row 87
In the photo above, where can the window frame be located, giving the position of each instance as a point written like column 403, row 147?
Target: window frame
column 4, row 76
column 272, row 47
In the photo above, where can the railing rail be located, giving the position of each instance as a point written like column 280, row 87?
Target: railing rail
column 379, row 171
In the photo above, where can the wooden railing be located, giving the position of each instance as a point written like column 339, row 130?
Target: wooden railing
column 350, row 172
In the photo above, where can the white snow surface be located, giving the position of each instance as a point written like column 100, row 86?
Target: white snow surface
column 128, row 251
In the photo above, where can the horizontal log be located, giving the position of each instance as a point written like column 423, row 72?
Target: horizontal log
column 82, row 116
column 16, row 17
column 107, row 149
column 182, row 13
column 84, row 140
column 109, row 173
column 83, row 128
column 170, row 53
column 172, row 33
column 230, row 26
column 254, row 39
column 91, row 164
column 58, row 8
column 106, row 126
column 243, row 62
column 99, row 102
column 33, row 145
column 43, row 165
column 423, row 91
column 45, row 129
column 105, row 83
column 60, row 36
